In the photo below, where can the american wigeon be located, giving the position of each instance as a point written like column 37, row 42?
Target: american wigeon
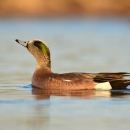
column 44, row 78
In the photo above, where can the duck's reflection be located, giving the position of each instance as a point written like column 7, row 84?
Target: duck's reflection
column 45, row 94
column 39, row 117
column 40, row 114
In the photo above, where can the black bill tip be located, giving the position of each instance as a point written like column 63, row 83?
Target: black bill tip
column 17, row 40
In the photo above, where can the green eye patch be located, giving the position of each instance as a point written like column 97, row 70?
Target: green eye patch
column 42, row 47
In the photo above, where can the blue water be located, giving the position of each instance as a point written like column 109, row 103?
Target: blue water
column 76, row 44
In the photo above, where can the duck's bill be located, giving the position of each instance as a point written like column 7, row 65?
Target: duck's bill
column 23, row 43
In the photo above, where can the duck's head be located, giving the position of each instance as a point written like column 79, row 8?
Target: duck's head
column 39, row 50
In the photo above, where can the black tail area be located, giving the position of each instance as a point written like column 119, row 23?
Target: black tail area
column 120, row 84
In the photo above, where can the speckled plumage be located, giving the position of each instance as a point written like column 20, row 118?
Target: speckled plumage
column 44, row 78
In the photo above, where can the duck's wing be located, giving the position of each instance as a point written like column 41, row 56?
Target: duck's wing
column 75, row 76
column 97, row 77
column 103, row 77
column 118, row 81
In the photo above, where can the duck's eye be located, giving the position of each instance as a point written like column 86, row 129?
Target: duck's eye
column 38, row 44
column 42, row 47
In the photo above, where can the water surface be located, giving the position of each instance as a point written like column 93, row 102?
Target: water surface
column 80, row 45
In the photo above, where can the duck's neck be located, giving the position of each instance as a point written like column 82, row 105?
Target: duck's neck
column 43, row 69
column 43, row 62
column 41, row 65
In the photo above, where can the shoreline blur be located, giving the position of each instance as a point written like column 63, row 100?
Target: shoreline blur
column 51, row 8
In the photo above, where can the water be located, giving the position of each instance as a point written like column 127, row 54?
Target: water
column 80, row 45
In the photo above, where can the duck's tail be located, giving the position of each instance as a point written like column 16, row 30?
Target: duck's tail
column 113, row 81
column 120, row 84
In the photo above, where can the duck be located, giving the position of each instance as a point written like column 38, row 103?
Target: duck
column 44, row 78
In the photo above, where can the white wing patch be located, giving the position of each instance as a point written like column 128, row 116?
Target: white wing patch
column 67, row 80
column 103, row 86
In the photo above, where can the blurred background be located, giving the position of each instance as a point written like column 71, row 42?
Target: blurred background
column 40, row 8
column 83, row 36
